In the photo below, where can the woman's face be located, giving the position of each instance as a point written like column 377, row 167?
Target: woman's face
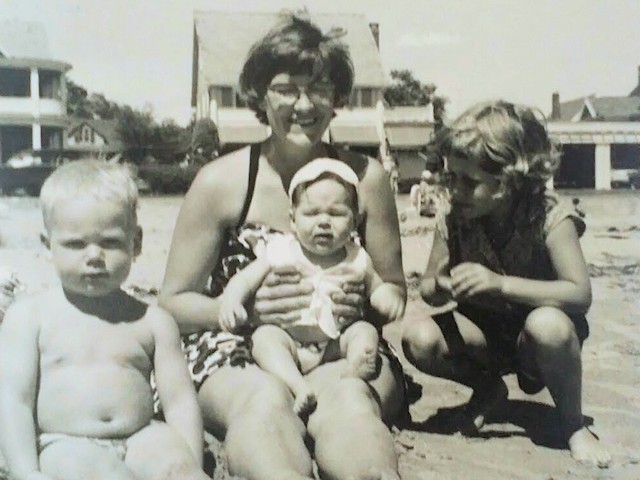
column 298, row 109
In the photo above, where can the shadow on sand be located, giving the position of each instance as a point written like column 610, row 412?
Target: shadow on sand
column 515, row 418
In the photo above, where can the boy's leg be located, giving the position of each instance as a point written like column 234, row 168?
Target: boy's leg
column 454, row 348
column 81, row 458
column 549, row 345
column 158, row 451
column 359, row 345
column 275, row 352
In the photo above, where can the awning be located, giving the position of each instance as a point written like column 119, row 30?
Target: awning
column 242, row 133
column 408, row 136
column 354, row 135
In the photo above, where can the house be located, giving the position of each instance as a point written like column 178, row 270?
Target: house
column 94, row 137
column 221, row 41
column 33, row 94
column 600, row 139
column 408, row 130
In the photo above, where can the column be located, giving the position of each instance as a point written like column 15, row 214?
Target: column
column 603, row 166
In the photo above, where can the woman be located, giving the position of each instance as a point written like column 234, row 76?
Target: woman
column 293, row 79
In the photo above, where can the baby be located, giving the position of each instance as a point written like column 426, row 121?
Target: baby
column 75, row 361
column 324, row 213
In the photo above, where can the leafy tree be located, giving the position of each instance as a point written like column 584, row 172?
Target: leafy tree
column 205, row 141
column 77, row 104
column 170, row 142
column 136, row 131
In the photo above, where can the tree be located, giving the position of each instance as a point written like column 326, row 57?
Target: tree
column 77, row 104
column 136, row 131
column 205, row 141
column 170, row 142
column 406, row 90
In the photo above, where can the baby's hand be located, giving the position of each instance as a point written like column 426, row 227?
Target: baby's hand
column 388, row 301
column 231, row 315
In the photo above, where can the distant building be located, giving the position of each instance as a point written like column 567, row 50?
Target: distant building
column 94, row 137
column 600, row 138
column 33, row 93
column 221, row 41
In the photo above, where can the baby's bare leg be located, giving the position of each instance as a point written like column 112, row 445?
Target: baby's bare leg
column 80, row 459
column 359, row 345
column 549, row 345
column 275, row 352
column 158, row 451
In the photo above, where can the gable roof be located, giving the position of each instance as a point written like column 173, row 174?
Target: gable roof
column 20, row 39
column 224, row 39
column 614, row 109
column 105, row 128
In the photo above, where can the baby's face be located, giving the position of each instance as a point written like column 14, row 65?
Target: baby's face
column 323, row 219
column 93, row 244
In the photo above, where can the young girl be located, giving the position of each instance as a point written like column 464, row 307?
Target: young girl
column 507, row 273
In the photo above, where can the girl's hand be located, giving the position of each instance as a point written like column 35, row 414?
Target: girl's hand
column 470, row 279
column 348, row 304
column 282, row 297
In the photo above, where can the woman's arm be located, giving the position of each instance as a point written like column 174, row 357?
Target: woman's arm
column 212, row 205
column 571, row 292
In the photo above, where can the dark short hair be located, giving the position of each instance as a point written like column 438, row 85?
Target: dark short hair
column 296, row 46
column 351, row 190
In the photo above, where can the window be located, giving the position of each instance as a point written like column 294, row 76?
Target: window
column 50, row 85
column 15, row 82
column 367, row 97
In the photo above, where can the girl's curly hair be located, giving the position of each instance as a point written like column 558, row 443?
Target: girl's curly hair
column 296, row 46
column 510, row 140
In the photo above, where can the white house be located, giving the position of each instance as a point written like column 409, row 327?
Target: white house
column 33, row 93
column 221, row 41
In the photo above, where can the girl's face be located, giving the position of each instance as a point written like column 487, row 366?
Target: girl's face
column 298, row 109
column 473, row 190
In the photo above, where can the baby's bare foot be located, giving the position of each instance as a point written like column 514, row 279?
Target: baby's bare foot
column 585, row 447
column 482, row 402
column 305, row 400
column 363, row 365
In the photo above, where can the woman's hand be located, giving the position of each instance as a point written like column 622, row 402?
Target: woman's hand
column 348, row 304
column 470, row 279
column 282, row 297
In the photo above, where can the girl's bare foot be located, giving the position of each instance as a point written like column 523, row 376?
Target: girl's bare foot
column 585, row 447
column 363, row 365
column 305, row 399
column 482, row 402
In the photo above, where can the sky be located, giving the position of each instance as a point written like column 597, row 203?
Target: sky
column 138, row 52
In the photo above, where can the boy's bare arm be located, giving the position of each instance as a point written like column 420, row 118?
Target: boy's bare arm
column 19, row 365
column 177, row 394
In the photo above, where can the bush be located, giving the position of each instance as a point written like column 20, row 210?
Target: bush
column 168, row 179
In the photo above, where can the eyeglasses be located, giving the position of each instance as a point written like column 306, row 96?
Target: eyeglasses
column 316, row 92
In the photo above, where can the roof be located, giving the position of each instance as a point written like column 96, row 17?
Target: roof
column 107, row 129
column 224, row 39
column 614, row 109
column 408, row 136
column 21, row 39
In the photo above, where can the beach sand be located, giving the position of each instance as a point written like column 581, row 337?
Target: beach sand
column 521, row 440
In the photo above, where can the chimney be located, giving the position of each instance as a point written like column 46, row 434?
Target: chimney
column 375, row 30
column 556, row 112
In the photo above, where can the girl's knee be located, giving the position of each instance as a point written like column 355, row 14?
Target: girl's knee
column 551, row 328
column 349, row 396
column 422, row 341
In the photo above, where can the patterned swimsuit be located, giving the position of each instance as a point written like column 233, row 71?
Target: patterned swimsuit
column 209, row 350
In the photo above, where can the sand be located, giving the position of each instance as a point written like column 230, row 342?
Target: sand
column 521, row 441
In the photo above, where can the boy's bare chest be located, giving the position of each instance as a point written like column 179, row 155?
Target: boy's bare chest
column 80, row 340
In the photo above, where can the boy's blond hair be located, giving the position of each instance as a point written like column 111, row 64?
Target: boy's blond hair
column 93, row 179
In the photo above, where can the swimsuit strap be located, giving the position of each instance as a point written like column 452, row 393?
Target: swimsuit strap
column 254, row 159
column 332, row 152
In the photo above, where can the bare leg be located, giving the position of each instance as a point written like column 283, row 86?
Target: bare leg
column 275, row 352
column 252, row 411
column 549, row 345
column 359, row 345
column 80, row 459
column 158, row 451
column 454, row 348
column 351, row 440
